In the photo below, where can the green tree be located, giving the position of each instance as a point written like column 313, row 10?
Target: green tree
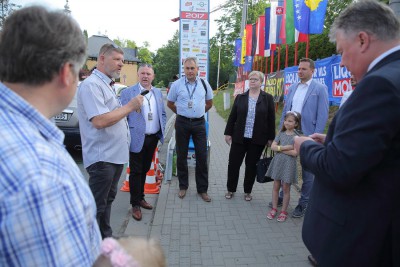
column 6, row 8
column 144, row 54
column 166, row 61
column 120, row 42
column 85, row 34
column 130, row 44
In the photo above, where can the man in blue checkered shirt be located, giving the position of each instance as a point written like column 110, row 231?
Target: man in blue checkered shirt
column 47, row 212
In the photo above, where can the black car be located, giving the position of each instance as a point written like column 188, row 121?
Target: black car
column 68, row 122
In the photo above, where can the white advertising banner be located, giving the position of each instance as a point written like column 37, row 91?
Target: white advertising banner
column 194, row 31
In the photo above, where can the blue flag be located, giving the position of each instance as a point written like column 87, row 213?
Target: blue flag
column 267, row 23
column 238, row 52
column 248, row 65
column 310, row 16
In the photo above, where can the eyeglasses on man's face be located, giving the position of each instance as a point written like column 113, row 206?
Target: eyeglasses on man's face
column 253, row 80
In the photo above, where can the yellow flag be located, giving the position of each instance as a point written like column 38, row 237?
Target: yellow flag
column 242, row 60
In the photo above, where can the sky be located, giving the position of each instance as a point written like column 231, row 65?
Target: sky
column 137, row 20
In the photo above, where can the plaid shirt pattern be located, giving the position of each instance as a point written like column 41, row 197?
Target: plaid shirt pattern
column 47, row 211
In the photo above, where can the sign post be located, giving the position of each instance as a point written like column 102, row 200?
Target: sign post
column 194, row 34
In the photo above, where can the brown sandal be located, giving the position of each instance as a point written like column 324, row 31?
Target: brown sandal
column 229, row 195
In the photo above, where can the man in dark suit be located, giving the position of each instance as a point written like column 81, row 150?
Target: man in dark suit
column 146, row 128
column 353, row 217
column 309, row 98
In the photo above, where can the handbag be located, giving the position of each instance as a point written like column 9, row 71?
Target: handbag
column 262, row 167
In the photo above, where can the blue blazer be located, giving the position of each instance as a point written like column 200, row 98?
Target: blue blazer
column 353, row 216
column 136, row 121
column 314, row 113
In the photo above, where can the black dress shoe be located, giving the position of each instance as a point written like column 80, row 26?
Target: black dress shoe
column 312, row 260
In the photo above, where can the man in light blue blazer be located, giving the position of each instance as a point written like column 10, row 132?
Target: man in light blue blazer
column 310, row 99
column 146, row 127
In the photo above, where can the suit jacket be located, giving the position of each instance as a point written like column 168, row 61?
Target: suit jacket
column 314, row 113
column 353, row 217
column 136, row 121
column 264, row 123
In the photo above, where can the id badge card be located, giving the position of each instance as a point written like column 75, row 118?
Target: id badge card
column 150, row 116
column 190, row 104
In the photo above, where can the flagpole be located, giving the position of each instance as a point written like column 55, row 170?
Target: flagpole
column 307, row 45
column 287, row 56
column 296, row 47
column 266, row 65
column 272, row 61
column 279, row 57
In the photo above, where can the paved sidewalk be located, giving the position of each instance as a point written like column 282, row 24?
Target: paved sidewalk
column 220, row 233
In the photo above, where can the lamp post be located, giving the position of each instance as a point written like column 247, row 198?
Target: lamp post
column 219, row 61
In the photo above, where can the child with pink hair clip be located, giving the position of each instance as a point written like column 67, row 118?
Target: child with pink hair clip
column 130, row 252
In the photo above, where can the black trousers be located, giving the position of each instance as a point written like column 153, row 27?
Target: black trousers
column 140, row 163
column 103, row 181
column 184, row 128
column 236, row 155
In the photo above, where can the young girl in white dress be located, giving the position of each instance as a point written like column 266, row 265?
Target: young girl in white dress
column 283, row 166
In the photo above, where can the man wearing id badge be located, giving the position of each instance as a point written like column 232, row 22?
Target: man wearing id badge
column 190, row 98
column 147, row 127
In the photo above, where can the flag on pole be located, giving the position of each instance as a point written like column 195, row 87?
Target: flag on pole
column 277, row 13
column 249, row 64
column 238, row 52
column 310, row 16
column 292, row 35
column 249, row 39
column 254, row 39
column 243, row 60
column 261, row 36
column 267, row 26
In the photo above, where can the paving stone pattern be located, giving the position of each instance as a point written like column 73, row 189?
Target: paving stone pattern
column 223, row 232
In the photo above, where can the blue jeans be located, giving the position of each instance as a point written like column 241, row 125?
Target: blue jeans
column 308, row 180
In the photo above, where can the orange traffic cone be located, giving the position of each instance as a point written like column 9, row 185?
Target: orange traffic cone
column 151, row 186
column 125, row 186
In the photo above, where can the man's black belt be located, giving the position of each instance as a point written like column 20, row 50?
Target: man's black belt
column 150, row 134
column 192, row 119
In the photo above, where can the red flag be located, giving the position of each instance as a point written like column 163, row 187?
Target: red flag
column 261, row 36
column 249, row 39
column 303, row 37
column 282, row 30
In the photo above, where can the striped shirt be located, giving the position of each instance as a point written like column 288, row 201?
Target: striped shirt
column 47, row 211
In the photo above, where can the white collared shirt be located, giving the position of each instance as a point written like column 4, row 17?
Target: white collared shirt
column 150, row 106
column 299, row 96
column 376, row 60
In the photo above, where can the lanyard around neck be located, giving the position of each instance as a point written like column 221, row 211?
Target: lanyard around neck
column 148, row 99
column 194, row 89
